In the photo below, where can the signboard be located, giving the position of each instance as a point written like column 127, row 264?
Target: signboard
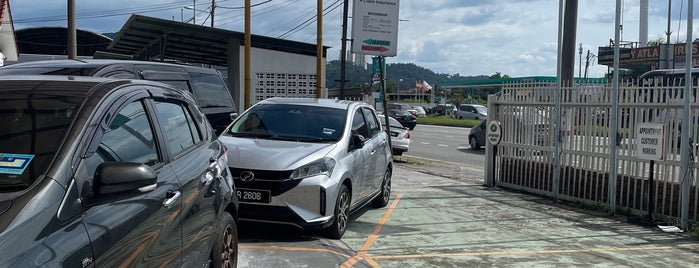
column 494, row 132
column 650, row 141
column 375, row 27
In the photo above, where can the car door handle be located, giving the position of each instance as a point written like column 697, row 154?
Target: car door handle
column 172, row 197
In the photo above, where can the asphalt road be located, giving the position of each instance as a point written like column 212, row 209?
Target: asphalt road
column 449, row 144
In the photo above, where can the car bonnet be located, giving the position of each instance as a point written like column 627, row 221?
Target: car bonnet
column 272, row 154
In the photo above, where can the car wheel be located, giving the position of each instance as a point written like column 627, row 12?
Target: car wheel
column 397, row 153
column 225, row 251
column 461, row 117
column 381, row 200
column 342, row 210
column 474, row 143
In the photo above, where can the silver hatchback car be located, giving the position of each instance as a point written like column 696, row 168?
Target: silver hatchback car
column 308, row 162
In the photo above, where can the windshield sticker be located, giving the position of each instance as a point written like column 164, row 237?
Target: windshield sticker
column 14, row 164
column 328, row 131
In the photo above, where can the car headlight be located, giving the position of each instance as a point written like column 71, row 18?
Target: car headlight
column 319, row 167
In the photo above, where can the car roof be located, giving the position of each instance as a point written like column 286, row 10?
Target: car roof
column 332, row 103
column 77, row 86
column 95, row 63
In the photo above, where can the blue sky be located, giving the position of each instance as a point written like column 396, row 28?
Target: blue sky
column 513, row 37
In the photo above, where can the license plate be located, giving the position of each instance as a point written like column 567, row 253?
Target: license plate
column 253, row 196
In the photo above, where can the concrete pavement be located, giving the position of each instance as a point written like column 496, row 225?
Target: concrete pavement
column 440, row 215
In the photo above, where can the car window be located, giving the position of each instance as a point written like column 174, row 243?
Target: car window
column 210, row 90
column 372, row 122
column 129, row 138
column 359, row 125
column 32, row 127
column 180, row 130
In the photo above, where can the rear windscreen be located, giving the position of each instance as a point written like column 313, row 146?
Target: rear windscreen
column 210, row 91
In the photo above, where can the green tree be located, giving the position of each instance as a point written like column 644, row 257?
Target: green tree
column 498, row 75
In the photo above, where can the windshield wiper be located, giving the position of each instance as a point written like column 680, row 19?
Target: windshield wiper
column 316, row 139
column 251, row 135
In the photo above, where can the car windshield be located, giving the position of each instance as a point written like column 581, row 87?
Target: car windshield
column 301, row 123
column 391, row 120
column 33, row 127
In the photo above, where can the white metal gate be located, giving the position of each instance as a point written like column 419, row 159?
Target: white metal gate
column 526, row 155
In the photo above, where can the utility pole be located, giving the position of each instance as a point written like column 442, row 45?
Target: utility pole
column 668, row 33
column 213, row 6
column 319, row 50
column 343, row 56
column 248, row 78
column 568, row 46
column 72, row 32
column 580, row 61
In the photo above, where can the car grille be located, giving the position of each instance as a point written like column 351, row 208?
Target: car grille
column 277, row 182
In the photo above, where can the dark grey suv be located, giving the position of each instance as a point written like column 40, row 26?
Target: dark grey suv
column 98, row 172
column 207, row 85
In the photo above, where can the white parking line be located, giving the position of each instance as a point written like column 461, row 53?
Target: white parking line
column 424, row 142
column 443, row 145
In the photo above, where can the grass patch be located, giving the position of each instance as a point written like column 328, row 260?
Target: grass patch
column 444, row 120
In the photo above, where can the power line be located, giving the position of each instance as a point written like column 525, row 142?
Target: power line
column 310, row 20
column 107, row 13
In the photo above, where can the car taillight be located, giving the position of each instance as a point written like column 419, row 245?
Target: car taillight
column 407, row 135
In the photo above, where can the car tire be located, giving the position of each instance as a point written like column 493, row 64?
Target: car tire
column 224, row 253
column 474, row 143
column 384, row 196
column 461, row 118
column 342, row 209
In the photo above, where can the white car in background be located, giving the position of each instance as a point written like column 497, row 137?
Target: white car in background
column 400, row 135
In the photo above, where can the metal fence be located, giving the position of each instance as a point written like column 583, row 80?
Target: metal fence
column 525, row 158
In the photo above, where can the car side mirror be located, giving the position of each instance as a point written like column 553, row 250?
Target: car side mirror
column 356, row 142
column 120, row 177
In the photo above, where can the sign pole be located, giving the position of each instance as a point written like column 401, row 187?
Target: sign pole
column 651, row 194
column 650, row 145
column 385, row 104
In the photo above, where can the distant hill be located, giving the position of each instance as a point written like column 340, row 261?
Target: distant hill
column 408, row 72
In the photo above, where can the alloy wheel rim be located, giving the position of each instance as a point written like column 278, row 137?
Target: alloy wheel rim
column 343, row 211
column 387, row 186
column 228, row 250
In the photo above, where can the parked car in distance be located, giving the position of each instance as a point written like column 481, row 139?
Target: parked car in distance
column 531, row 125
column 400, row 136
column 100, row 172
column 308, row 162
column 476, row 136
column 444, row 109
column 472, row 111
column 403, row 107
column 207, row 85
column 404, row 117
column 420, row 111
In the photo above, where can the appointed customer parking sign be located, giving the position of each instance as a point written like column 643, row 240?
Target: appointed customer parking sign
column 375, row 27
